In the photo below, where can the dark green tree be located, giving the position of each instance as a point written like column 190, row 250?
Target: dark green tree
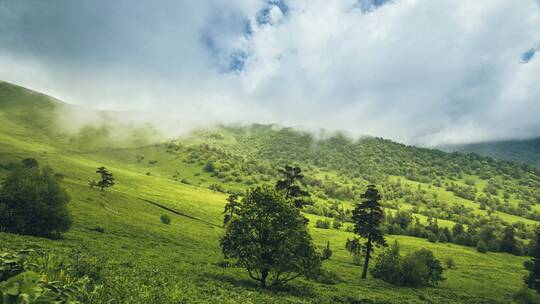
column 509, row 242
column 368, row 216
column 290, row 185
column 269, row 237
column 33, row 202
column 107, row 179
column 533, row 265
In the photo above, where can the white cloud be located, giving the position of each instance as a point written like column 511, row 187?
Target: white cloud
column 418, row 71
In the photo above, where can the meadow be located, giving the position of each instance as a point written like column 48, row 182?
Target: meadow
column 146, row 261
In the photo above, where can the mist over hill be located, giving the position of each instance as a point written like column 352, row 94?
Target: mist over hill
column 527, row 151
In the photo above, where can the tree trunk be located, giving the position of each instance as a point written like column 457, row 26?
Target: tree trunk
column 264, row 276
column 366, row 261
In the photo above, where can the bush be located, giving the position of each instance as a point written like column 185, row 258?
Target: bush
column 443, row 238
column 209, row 167
column 165, row 219
column 337, row 224
column 387, row 265
column 326, row 277
column 99, row 229
column 323, row 224
column 481, row 247
column 327, row 252
column 449, row 263
column 33, row 202
column 419, row 268
column 432, row 237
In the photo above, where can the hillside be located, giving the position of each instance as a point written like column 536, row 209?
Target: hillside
column 146, row 261
column 526, row 151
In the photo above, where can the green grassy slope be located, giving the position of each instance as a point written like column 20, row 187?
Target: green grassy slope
column 177, row 263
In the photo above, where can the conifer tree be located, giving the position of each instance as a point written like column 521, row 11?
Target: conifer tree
column 368, row 216
column 107, row 179
column 290, row 185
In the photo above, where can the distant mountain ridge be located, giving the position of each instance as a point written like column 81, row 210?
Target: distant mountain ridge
column 525, row 151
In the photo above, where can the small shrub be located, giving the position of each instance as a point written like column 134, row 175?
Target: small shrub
column 337, row 224
column 449, row 263
column 322, row 224
column 209, row 167
column 327, row 252
column 432, row 237
column 223, row 264
column 165, row 219
column 443, row 238
column 99, row 229
column 419, row 268
column 185, row 181
column 326, row 277
column 481, row 247
column 216, row 188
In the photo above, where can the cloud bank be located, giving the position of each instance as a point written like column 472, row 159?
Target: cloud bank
column 417, row 71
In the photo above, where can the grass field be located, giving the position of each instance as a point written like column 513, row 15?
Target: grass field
column 178, row 263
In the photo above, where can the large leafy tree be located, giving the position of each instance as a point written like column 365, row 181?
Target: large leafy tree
column 290, row 185
column 268, row 236
column 107, row 179
column 33, row 202
column 533, row 265
column 368, row 216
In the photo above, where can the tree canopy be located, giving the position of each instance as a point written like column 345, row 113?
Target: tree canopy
column 33, row 202
column 268, row 236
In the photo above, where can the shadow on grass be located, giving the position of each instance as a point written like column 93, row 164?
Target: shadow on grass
column 297, row 289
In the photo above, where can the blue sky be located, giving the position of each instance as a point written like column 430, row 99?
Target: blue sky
column 417, row 71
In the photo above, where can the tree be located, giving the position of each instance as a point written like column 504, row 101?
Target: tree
column 509, row 242
column 290, row 185
column 269, row 237
column 33, row 202
column 209, row 166
column 327, row 252
column 533, row 265
column 458, row 229
column 403, row 218
column 107, row 179
column 367, row 218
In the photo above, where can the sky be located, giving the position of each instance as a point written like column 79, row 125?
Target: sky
column 421, row 72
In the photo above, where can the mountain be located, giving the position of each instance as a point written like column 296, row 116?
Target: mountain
column 119, row 238
column 526, row 151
